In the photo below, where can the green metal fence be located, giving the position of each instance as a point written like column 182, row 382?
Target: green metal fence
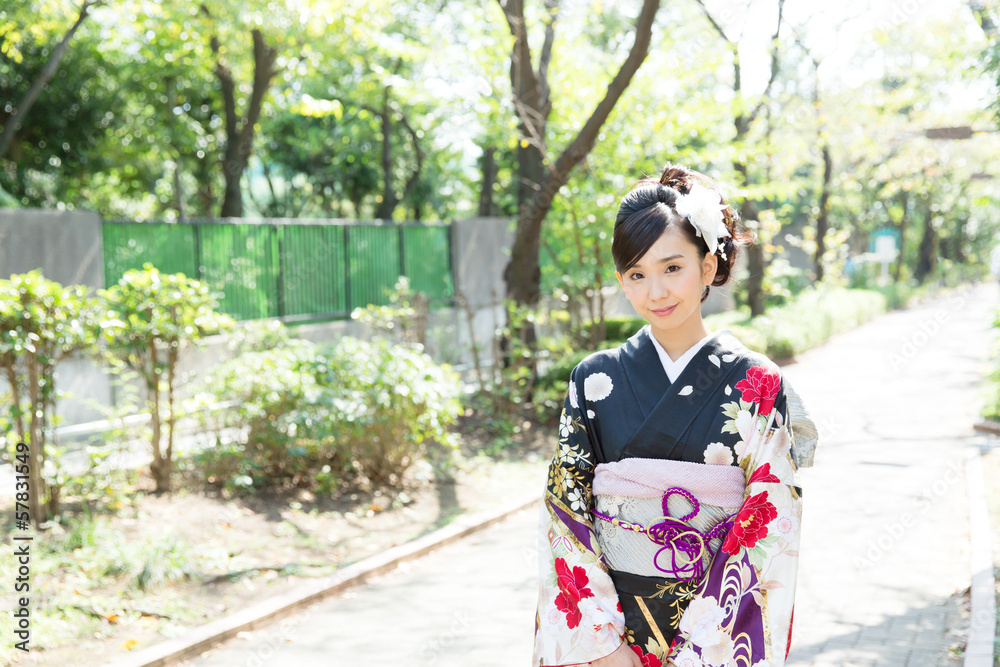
column 295, row 270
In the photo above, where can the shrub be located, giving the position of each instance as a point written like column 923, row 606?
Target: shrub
column 813, row 316
column 618, row 327
column 41, row 323
column 390, row 402
column 275, row 404
column 151, row 316
column 308, row 414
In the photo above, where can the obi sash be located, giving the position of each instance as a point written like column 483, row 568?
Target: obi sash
column 664, row 518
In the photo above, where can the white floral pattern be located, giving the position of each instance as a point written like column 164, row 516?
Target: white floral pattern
column 565, row 425
column 597, row 387
column 718, row 454
column 721, row 653
column 572, row 396
column 577, row 503
column 786, row 524
column 701, row 621
column 687, row 658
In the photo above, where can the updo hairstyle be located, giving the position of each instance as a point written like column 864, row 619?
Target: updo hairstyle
column 649, row 209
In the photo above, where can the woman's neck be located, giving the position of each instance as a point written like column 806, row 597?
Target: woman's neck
column 679, row 340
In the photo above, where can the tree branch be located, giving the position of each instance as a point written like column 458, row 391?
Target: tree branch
column 14, row 122
column 711, row 19
column 552, row 10
column 775, row 64
column 584, row 141
column 983, row 12
column 418, row 153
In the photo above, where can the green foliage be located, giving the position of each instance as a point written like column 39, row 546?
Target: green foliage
column 256, row 336
column 150, row 317
column 41, row 323
column 392, row 404
column 622, row 327
column 275, row 401
column 782, row 281
column 403, row 319
column 311, row 416
column 813, row 316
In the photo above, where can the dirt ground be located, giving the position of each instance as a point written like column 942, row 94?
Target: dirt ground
column 250, row 549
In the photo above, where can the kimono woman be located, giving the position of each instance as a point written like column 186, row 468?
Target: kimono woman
column 670, row 525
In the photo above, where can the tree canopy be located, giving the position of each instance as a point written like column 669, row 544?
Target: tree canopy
column 542, row 110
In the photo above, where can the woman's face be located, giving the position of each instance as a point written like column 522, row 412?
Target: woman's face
column 666, row 284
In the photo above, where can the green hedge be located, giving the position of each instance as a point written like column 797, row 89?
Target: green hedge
column 809, row 319
column 311, row 415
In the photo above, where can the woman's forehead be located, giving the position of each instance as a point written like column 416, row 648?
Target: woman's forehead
column 672, row 244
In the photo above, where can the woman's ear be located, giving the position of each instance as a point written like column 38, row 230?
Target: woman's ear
column 619, row 277
column 709, row 266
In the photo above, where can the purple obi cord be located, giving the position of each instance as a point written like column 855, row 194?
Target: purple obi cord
column 676, row 536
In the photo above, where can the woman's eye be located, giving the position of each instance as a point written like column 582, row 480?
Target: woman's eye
column 673, row 266
column 636, row 276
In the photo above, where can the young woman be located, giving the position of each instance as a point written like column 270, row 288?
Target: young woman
column 670, row 525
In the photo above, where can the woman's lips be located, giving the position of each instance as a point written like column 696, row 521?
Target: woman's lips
column 665, row 311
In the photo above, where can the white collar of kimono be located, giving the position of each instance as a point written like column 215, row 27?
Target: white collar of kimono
column 674, row 368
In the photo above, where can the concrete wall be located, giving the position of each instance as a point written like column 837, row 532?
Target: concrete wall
column 64, row 245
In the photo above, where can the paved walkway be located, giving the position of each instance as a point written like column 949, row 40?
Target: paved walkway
column 885, row 531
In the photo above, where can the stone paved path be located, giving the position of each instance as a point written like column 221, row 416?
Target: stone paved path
column 885, row 529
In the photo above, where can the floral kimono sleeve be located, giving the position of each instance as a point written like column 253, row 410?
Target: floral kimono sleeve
column 578, row 619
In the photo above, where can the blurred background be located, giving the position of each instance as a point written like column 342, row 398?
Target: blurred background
column 319, row 269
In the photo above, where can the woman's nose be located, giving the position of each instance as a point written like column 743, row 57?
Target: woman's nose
column 658, row 289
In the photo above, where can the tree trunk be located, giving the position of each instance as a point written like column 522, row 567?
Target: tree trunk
column 157, row 468
column 168, row 459
column 16, row 119
column 755, row 263
column 928, row 243
column 981, row 10
column 822, row 221
column 538, row 183
column 904, row 223
column 36, row 448
column 487, row 207
column 389, row 199
column 15, row 394
column 742, row 122
column 240, row 130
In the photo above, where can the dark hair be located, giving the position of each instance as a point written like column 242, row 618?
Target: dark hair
column 649, row 209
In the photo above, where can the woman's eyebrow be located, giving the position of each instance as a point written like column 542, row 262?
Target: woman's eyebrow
column 670, row 258
column 639, row 265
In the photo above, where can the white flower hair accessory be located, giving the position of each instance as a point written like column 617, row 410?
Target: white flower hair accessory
column 703, row 208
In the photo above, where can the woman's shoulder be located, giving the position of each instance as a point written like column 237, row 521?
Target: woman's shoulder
column 612, row 359
column 730, row 343
column 600, row 361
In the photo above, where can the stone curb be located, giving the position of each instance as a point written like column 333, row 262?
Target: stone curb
column 202, row 638
column 982, row 627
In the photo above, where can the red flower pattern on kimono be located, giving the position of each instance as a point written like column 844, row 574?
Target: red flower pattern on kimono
column 760, row 386
column 763, row 474
column 572, row 589
column 750, row 524
column 648, row 659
